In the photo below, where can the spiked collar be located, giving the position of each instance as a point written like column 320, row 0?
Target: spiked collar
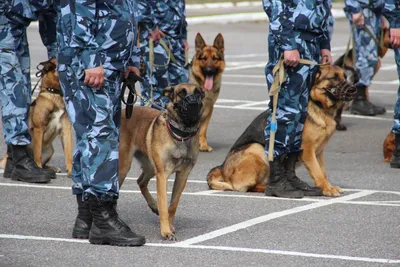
column 54, row 91
column 180, row 133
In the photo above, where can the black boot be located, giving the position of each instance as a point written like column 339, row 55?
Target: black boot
column 379, row 110
column 10, row 163
column 290, row 166
column 83, row 221
column 108, row 228
column 360, row 105
column 395, row 162
column 278, row 185
column 26, row 169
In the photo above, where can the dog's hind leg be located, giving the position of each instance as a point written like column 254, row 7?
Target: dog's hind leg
column 66, row 141
column 143, row 181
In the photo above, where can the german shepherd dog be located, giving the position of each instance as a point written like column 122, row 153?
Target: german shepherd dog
column 246, row 166
column 206, row 70
column 349, row 62
column 164, row 143
column 389, row 146
column 47, row 120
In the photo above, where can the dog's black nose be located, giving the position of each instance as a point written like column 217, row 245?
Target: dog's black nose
column 209, row 71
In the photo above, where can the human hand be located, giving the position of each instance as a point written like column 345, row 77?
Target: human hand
column 358, row 19
column 94, row 77
column 291, row 57
column 131, row 69
column 155, row 34
column 326, row 56
column 395, row 37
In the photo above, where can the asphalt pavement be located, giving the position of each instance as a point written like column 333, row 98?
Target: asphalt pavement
column 360, row 228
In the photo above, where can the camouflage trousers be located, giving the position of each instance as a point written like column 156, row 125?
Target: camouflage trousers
column 396, row 124
column 165, row 73
column 291, row 111
column 365, row 46
column 15, row 82
column 96, row 117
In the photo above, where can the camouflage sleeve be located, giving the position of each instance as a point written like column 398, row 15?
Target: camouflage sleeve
column 352, row 6
column 83, row 34
column 280, row 22
column 47, row 29
column 146, row 16
column 391, row 11
column 184, row 32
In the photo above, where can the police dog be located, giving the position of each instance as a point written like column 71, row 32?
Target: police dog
column 389, row 146
column 347, row 61
column 164, row 143
column 206, row 70
column 246, row 166
column 47, row 120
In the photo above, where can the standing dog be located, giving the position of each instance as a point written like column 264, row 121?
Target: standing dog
column 47, row 120
column 206, row 70
column 164, row 143
column 246, row 165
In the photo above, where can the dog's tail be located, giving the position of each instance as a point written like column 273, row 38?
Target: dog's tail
column 3, row 162
column 215, row 180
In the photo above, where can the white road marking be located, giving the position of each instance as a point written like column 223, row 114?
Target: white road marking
column 221, row 248
column 268, row 217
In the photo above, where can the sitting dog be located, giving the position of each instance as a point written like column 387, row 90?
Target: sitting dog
column 206, row 70
column 47, row 120
column 246, row 166
column 164, row 143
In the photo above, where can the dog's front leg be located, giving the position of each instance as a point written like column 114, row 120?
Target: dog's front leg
column 179, row 185
column 162, row 204
column 37, row 145
column 66, row 141
column 333, row 190
column 203, row 130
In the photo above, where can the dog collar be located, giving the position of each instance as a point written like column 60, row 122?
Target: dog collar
column 54, row 91
column 180, row 133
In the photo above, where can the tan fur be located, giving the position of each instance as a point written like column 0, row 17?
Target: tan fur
column 246, row 169
column 47, row 120
column 389, row 146
column 207, row 56
column 146, row 137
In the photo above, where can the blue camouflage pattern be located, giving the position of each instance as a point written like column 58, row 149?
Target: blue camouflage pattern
column 392, row 12
column 15, row 81
column 366, row 49
column 92, row 34
column 304, row 26
column 170, row 18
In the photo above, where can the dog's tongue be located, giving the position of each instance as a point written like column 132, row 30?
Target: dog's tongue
column 208, row 84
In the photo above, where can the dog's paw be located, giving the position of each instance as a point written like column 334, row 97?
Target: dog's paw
column 169, row 236
column 205, row 148
column 341, row 127
column 332, row 191
column 154, row 208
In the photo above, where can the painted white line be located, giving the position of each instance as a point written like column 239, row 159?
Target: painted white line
column 246, row 67
column 268, row 217
column 395, row 82
column 389, row 67
column 221, row 248
column 264, row 103
column 169, row 180
column 248, row 56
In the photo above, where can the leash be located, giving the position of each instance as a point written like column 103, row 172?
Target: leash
column 279, row 73
column 129, row 83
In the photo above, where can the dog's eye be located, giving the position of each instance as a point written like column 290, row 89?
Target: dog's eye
column 215, row 58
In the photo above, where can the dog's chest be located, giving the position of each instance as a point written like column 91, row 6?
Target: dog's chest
column 55, row 125
column 182, row 154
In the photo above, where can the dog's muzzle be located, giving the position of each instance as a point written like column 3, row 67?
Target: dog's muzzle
column 344, row 91
column 189, row 109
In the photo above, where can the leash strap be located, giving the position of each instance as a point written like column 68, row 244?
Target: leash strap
column 132, row 95
column 279, row 73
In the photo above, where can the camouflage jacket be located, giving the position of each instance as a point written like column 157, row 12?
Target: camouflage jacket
column 356, row 6
column 169, row 16
column 306, row 19
column 99, row 33
column 392, row 12
column 23, row 12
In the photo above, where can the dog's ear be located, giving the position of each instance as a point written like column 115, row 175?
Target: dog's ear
column 169, row 92
column 219, row 43
column 199, row 42
column 46, row 66
column 316, row 74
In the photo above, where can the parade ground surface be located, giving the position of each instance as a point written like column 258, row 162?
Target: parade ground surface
column 359, row 228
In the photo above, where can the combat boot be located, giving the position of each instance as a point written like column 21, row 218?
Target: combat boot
column 290, row 166
column 108, row 228
column 84, row 219
column 278, row 184
column 360, row 105
column 395, row 162
column 25, row 168
column 379, row 110
column 10, row 163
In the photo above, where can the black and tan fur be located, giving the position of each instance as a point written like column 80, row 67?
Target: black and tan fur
column 246, row 166
column 207, row 63
column 146, row 137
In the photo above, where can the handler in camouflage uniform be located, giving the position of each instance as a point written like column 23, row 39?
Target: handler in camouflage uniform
column 167, row 20
column 365, row 13
column 15, row 81
column 97, row 48
column 294, row 35
column 392, row 13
